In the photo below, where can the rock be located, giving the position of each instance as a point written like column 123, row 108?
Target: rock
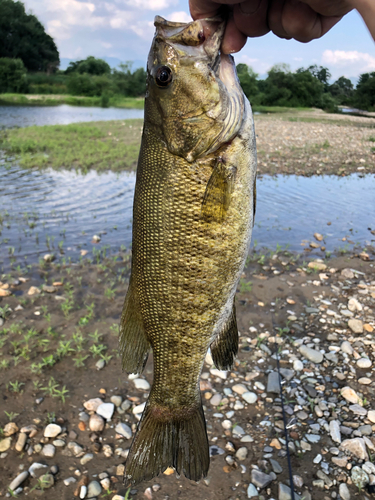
column 49, row 257
column 327, row 480
column 100, row 364
column 118, row 497
column 116, row 400
column 313, row 438
column 139, row 408
column 273, row 383
column 86, row 458
column 297, row 365
column 34, row 467
column 107, row 451
column 49, row 288
column 49, row 450
column 364, row 381
column 52, row 430
column 318, row 236
column 276, row 467
column 358, row 410
column 18, row 480
column 371, row 416
column 350, row 395
column 250, row 397
column 347, row 347
column 239, row 389
column 359, row 477
column 96, row 423
column 47, row 481
column 318, row 459
column 216, row 450
column 285, row 493
column 93, row 404
column 142, row 384
column 341, row 462
column 82, row 491
column 305, row 446
column 238, row 431
column 369, row 468
column 21, row 441
column 347, row 273
column 287, row 373
column 311, row 354
column 96, row 238
column 260, row 479
column 106, row 483
column 318, row 266
column 365, row 430
column 5, row 444
column 216, row 399
column 219, row 373
column 344, row 492
column 354, row 305
column 106, row 410
column 252, row 491
column 33, row 290
column 334, row 430
column 70, row 480
column 364, row 363
column 94, row 489
column 241, row 453
column 355, row 325
column 356, row 447
column 124, row 430
column 10, row 429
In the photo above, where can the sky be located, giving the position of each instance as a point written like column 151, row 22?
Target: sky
column 124, row 29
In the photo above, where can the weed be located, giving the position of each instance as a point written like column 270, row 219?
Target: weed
column 96, row 350
column 4, row 363
column 64, row 348
column 95, row 337
column 79, row 361
column 15, row 386
column 11, row 415
column 5, row 311
column 51, row 387
column 245, row 286
column 50, row 418
column 61, row 393
column 109, row 293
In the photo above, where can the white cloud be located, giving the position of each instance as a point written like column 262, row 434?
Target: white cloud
column 151, row 4
column 144, row 29
column 107, row 45
column 180, row 17
column 348, row 63
column 257, row 65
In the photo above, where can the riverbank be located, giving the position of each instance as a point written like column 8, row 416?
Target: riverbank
column 56, row 100
column 300, row 142
column 59, row 351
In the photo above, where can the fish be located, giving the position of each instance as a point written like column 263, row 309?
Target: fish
column 193, row 214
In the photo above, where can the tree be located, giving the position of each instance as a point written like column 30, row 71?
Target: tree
column 248, row 80
column 22, row 36
column 128, row 83
column 365, row 92
column 342, row 90
column 91, row 65
column 12, row 75
column 320, row 72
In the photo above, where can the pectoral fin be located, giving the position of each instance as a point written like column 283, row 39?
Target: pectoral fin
column 219, row 191
column 225, row 347
column 134, row 345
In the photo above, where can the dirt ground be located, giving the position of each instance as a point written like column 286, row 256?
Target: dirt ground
column 51, row 342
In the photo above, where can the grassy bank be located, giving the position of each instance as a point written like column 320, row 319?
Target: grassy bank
column 55, row 100
column 101, row 145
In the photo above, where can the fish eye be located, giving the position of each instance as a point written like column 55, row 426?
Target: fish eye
column 163, row 76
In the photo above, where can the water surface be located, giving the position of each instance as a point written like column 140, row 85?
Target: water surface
column 48, row 211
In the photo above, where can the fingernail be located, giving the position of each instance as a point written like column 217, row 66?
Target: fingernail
column 250, row 6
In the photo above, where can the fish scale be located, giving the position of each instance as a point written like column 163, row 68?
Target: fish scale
column 193, row 216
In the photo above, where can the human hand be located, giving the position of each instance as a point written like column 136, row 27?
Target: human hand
column 302, row 20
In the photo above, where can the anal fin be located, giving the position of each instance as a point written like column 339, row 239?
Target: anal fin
column 134, row 345
column 225, row 347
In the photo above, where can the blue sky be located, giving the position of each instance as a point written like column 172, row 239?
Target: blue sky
column 124, row 29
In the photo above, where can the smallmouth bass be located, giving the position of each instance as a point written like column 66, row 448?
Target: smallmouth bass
column 193, row 214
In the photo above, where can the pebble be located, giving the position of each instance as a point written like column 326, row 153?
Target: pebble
column 356, row 447
column 273, row 383
column 139, row 408
column 49, row 450
column 33, row 290
column 369, row 468
column 47, row 481
column 49, row 289
column 241, row 453
column 364, row 363
column 216, row 450
column 239, row 389
column 334, row 430
column 285, row 493
column 359, row 477
column 350, row 395
column 261, row 479
column 21, row 441
column 96, row 423
column 219, row 373
column 52, row 430
column 313, row 438
column 86, row 458
column 93, row 404
column 355, row 325
column 34, row 467
column 116, row 400
column 9, row 429
column 5, row 444
column 276, row 467
column 347, row 347
column 252, row 491
column 141, row 384
column 250, row 397
column 100, row 364
column 106, row 410
column 371, row 416
column 69, row 480
column 344, row 492
column 318, row 459
column 94, row 489
column 216, row 399
column 358, row 410
column 311, row 354
column 19, row 480
column 82, row 491
column 297, row 365
column 124, row 430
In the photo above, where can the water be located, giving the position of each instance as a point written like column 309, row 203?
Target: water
column 43, row 211
column 25, row 116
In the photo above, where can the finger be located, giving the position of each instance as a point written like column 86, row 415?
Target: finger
column 207, row 8
column 250, row 17
column 233, row 40
column 275, row 18
column 302, row 23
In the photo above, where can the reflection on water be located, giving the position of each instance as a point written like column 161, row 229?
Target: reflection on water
column 43, row 211
column 25, row 116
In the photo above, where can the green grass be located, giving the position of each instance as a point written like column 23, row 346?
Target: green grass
column 82, row 146
column 55, row 100
column 277, row 109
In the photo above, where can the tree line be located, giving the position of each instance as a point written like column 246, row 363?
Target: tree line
column 29, row 62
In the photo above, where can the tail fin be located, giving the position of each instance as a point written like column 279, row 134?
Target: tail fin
column 162, row 442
